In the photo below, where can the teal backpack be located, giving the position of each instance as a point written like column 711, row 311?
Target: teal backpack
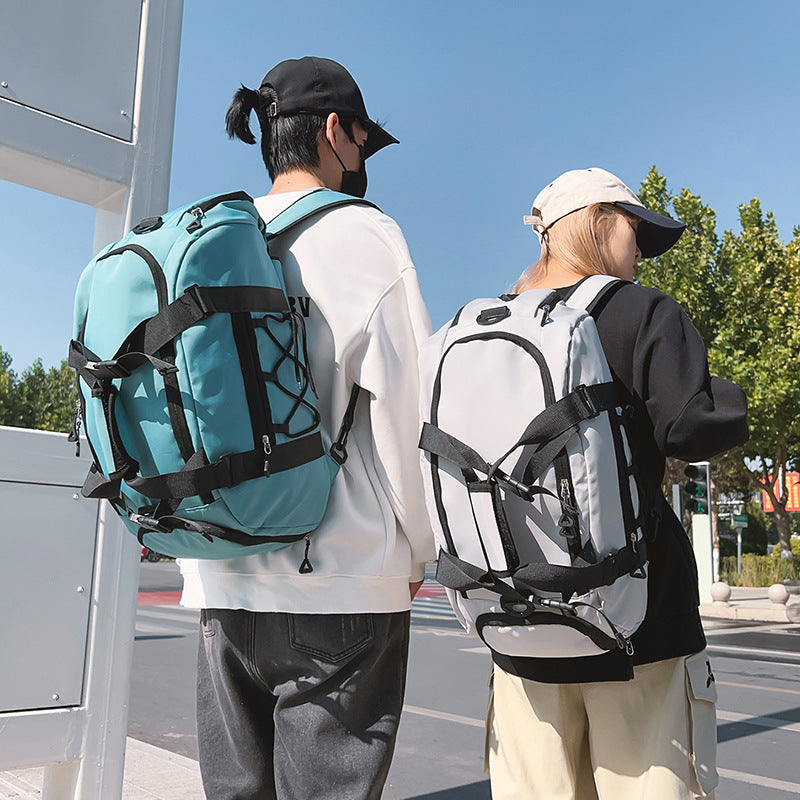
column 195, row 392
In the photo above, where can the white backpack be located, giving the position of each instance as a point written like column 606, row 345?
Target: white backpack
column 530, row 482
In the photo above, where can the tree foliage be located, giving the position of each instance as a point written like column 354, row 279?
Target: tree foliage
column 743, row 293
column 38, row 398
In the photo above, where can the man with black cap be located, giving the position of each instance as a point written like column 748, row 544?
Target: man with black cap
column 301, row 674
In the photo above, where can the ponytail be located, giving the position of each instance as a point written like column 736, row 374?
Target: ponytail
column 287, row 142
column 237, row 120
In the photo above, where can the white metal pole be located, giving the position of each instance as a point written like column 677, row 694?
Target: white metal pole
column 739, row 550
column 703, row 554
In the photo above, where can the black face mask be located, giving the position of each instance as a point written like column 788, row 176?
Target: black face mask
column 353, row 183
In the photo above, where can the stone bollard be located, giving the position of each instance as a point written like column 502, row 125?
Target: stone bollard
column 721, row 592
column 778, row 593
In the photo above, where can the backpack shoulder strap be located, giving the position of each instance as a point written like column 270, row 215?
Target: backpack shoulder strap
column 587, row 292
column 309, row 205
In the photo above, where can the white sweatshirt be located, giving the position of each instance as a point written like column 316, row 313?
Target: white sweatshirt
column 350, row 273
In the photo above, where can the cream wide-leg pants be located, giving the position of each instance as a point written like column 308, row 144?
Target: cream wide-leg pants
column 651, row 738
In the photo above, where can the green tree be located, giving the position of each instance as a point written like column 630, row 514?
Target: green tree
column 758, row 346
column 743, row 294
column 9, row 404
column 38, row 398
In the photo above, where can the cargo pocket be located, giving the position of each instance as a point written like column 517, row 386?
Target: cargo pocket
column 701, row 691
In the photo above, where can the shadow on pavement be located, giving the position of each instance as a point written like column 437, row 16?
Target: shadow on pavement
column 743, row 728
column 472, row 791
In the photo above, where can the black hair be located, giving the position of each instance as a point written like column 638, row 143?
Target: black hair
column 287, row 143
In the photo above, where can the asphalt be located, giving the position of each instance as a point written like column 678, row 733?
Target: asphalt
column 152, row 773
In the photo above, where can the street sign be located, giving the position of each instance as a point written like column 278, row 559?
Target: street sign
column 740, row 519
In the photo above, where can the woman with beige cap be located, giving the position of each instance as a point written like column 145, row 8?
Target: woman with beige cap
column 622, row 725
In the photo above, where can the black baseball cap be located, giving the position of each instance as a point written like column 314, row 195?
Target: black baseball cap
column 312, row 85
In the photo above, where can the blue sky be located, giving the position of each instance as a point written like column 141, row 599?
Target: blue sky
column 490, row 102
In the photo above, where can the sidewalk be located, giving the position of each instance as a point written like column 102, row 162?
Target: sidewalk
column 150, row 774
column 754, row 605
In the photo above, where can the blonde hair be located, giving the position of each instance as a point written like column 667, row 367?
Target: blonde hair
column 579, row 241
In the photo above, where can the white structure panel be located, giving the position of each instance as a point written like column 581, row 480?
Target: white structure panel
column 48, row 538
column 76, row 61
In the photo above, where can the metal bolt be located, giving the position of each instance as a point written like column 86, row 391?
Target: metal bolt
column 76, row 496
column 80, row 590
column 56, row 697
column 124, row 113
column 4, row 84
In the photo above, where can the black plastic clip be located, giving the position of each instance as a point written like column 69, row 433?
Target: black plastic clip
column 491, row 316
column 148, row 523
column 148, row 224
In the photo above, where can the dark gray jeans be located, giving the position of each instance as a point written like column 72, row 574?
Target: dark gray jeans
column 299, row 706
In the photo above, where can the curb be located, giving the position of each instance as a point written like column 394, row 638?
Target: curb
column 718, row 610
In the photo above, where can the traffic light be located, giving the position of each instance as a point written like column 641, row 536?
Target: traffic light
column 696, row 489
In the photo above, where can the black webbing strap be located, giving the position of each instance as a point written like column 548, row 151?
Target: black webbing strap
column 454, row 573
column 462, row 576
column 93, row 369
column 438, row 443
column 288, row 455
column 195, row 304
column 339, row 447
column 124, row 463
column 579, row 580
column 434, row 440
column 195, row 478
column 99, row 487
column 544, row 455
column 580, row 404
column 199, row 477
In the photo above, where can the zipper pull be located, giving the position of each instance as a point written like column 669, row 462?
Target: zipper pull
column 267, row 450
column 75, row 433
column 546, row 314
column 624, row 644
column 305, row 566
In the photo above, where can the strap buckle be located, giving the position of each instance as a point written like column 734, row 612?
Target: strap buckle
column 517, row 487
column 338, row 453
column 103, row 370
column 148, row 523
column 582, row 394
column 193, row 293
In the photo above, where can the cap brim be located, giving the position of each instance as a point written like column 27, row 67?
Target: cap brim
column 656, row 232
column 377, row 139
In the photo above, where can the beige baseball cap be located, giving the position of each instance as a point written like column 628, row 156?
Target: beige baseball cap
column 579, row 188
